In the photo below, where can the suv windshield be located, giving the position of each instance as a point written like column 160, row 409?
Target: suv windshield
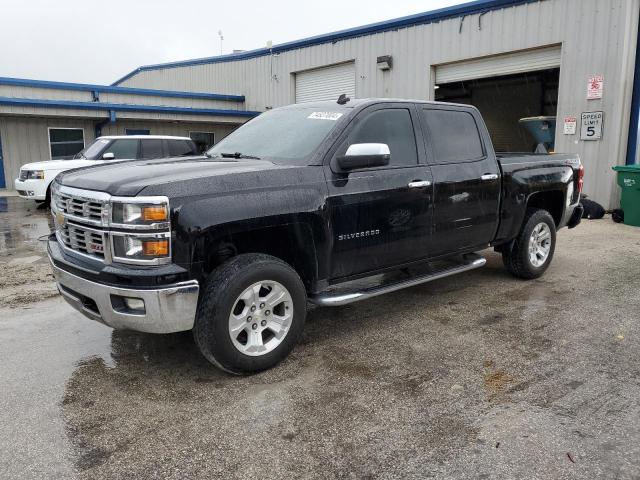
column 93, row 150
column 288, row 135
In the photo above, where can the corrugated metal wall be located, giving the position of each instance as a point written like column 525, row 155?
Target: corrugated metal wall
column 597, row 37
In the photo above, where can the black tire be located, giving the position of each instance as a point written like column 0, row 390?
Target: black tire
column 617, row 215
column 224, row 285
column 516, row 257
column 46, row 203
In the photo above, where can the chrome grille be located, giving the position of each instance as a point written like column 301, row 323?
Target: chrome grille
column 82, row 239
column 82, row 220
column 79, row 207
column 81, row 217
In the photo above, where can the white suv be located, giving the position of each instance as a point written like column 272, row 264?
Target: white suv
column 36, row 177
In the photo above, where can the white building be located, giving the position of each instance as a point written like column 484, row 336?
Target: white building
column 510, row 58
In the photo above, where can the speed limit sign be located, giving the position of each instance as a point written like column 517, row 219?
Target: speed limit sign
column 591, row 126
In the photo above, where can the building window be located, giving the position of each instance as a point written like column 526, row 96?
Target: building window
column 137, row 131
column 64, row 143
column 203, row 140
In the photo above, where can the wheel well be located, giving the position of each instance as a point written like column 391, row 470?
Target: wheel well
column 291, row 243
column 552, row 202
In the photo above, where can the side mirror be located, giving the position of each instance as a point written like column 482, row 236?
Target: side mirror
column 365, row 155
column 108, row 156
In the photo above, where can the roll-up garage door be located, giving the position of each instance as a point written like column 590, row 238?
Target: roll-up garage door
column 495, row 66
column 326, row 83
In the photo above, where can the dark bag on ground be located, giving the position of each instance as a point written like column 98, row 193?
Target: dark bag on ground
column 592, row 210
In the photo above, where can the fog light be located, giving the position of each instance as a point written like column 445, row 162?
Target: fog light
column 136, row 304
column 30, row 193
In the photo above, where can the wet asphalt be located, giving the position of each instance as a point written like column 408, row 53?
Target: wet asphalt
column 475, row 376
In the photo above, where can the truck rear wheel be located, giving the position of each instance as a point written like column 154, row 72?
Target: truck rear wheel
column 251, row 314
column 531, row 252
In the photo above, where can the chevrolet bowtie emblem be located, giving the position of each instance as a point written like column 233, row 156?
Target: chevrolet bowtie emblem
column 60, row 218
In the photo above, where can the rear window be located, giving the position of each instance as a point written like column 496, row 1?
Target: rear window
column 454, row 136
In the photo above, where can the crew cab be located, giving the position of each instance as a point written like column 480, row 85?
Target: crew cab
column 34, row 180
column 305, row 203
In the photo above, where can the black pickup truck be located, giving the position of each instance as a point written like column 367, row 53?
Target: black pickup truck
column 329, row 203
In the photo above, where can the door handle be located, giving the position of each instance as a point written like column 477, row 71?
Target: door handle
column 489, row 176
column 419, row 184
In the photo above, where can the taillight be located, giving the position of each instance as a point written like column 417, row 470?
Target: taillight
column 580, row 178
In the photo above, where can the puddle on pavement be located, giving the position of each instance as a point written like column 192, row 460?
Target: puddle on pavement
column 22, row 224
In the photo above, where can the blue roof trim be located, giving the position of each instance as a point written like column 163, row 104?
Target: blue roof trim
column 122, row 107
column 470, row 8
column 24, row 82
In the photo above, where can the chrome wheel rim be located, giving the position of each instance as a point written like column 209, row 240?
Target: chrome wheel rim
column 260, row 318
column 539, row 244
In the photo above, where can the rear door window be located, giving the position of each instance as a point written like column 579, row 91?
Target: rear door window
column 453, row 135
column 181, row 148
column 151, row 148
column 123, row 149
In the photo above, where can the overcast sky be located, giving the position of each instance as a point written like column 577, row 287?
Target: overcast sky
column 98, row 42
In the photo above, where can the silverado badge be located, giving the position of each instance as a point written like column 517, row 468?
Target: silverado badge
column 366, row 233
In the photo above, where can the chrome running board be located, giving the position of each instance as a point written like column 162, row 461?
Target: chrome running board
column 337, row 297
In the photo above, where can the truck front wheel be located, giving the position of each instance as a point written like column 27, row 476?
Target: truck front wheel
column 530, row 254
column 251, row 314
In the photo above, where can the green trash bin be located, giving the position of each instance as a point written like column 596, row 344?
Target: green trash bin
column 629, row 181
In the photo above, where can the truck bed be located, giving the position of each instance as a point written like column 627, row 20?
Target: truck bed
column 523, row 160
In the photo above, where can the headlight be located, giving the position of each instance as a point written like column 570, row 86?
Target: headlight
column 140, row 230
column 154, row 212
column 144, row 249
column 35, row 174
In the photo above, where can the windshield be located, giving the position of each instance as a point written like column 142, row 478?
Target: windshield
column 93, row 150
column 288, row 135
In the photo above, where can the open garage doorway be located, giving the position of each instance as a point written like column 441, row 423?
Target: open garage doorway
column 505, row 100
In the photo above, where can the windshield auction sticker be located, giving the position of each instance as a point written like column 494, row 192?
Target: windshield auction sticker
column 325, row 115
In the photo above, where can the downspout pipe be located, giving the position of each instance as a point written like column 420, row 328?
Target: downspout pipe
column 102, row 123
column 633, row 145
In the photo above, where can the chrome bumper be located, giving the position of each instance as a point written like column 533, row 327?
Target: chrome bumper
column 166, row 310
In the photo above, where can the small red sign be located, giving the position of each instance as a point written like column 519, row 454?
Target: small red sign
column 595, row 87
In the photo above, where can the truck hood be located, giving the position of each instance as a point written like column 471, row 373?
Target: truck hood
column 57, row 164
column 131, row 178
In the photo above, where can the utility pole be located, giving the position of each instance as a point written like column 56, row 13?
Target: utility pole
column 221, row 39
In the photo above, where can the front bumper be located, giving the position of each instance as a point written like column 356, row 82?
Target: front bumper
column 169, row 309
column 31, row 189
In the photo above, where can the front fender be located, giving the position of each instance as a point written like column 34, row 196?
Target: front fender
column 204, row 226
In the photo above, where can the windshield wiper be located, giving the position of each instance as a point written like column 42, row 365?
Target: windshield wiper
column 239, row 155
column 218, row 158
